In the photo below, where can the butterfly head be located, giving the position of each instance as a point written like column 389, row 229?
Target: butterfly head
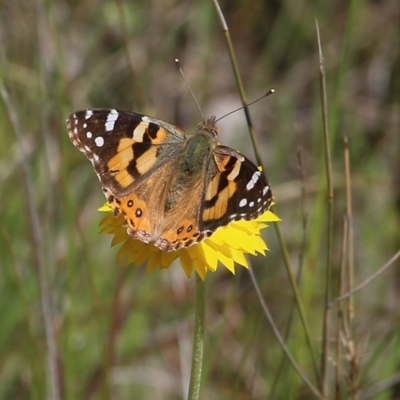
column 209, row 125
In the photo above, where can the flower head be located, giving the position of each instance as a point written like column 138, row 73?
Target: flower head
column 227, row 245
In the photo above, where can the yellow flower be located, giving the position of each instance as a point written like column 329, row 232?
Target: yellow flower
column 228, row 245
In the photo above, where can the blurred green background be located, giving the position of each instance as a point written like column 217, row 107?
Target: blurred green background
column 119, row 334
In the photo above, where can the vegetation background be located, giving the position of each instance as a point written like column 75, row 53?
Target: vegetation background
column 114, row 333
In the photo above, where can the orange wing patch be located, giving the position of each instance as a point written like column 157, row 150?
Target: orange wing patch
column 159, row 136
column 155, row 133
column 146, row 160
column 184, row 235
column 235, row 171
column 212, row 188
column 125, row 156
column 137, row 218
column 140, row 226
column 224, row 160
column 119, row 163
column 220, row 207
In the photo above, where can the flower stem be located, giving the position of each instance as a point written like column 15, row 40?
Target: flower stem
column 198, row 341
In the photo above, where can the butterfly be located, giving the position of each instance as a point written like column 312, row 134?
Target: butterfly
column 173, row 188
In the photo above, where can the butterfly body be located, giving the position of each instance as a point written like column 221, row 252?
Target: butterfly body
column 173, row 189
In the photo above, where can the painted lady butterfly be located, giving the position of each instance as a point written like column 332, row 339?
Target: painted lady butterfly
column 174, row 189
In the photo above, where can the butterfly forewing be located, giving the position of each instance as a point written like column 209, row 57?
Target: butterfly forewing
column 237, row 190
column 124, row 147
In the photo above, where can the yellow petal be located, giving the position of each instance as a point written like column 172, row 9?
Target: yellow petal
column 210, row 256
column 239, row 258
column 118, row 238
column 105, row 207
column 227, row 245
column 259, row 244
column 167, row 258
column 153, row 263
column 227, row 262
column 229, row 237
column 201, row 270
column 143, row 252
column 268, row 216
column 187, row 263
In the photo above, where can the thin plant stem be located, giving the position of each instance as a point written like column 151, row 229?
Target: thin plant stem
column 344, row 57
column 198, row 341
column 339, row 327
column 347, row 309
column 129, row 53
column 389, row 339
column 239, row 83
column 328, row 168
column 32, row 348
column 296, row 292
column 368, row 280
column 177, row 281
column 288, row 265
column 349, row 214
column 114, row 327
column 377, row 388
column 279, row 337
column 304, row 216
column 54, row 388
column 45, row 97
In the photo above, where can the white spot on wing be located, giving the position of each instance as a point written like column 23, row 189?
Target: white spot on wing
column 242, row 202
column 251, row 204
column 265, row 190
column 88, row 114
column 99, row 141
column 253, row 180
column 85, row 125
column 140, row 131
column 111, row 118
column 89, row 135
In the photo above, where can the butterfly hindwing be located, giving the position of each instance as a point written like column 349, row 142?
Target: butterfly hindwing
column 141, row 208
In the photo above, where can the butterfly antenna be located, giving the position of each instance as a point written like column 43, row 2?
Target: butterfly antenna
column 271, row 91
column 178, row 64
